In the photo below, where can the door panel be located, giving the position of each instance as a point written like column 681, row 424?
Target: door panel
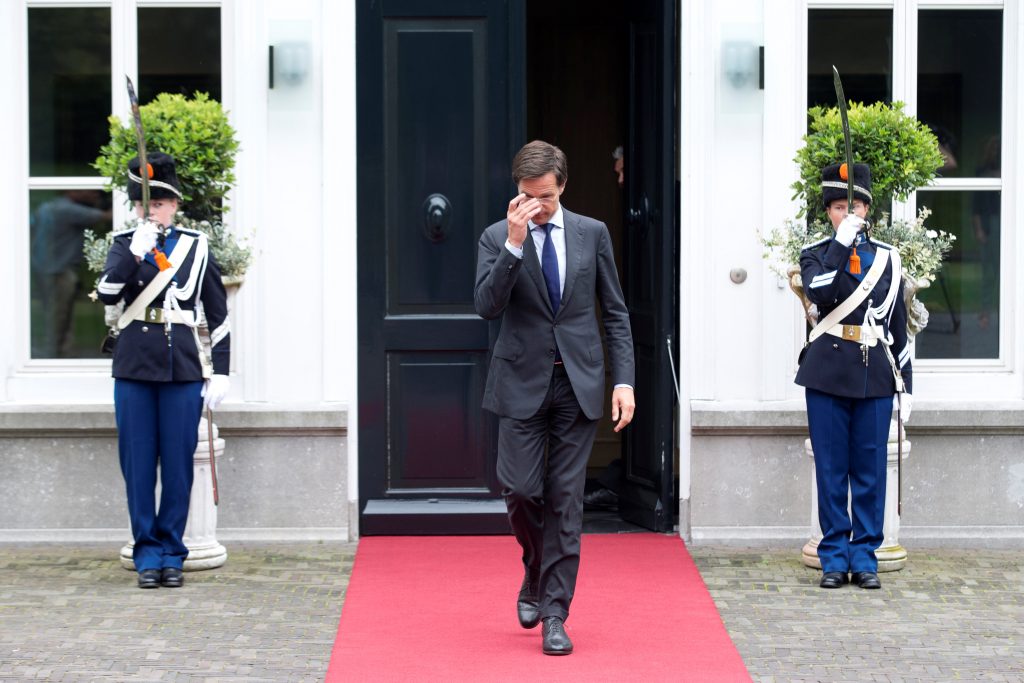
column 650, row 258
column 439, row 92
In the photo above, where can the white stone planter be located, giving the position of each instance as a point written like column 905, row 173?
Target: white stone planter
column 891, row 555
column 204, row 552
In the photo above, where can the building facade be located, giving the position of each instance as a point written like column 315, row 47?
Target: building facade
column 375, row 142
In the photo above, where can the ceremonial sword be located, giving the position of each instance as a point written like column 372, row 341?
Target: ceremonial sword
column 140, row 139
column 849, row 208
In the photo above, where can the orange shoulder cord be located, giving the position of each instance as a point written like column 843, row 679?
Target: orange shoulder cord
column 854, row 262
column 163, row 264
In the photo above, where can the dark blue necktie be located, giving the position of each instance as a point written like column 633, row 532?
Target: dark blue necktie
column 549, row 266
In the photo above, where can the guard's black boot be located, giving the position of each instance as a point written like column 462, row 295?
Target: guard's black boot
column 171, row 577
column 833, row 579
column 149, row 578
column 866, row 580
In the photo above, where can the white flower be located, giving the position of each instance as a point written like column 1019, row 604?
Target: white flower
column 931, row 234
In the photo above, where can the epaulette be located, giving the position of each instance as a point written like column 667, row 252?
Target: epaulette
column 123, row 232
column 880, row 243
column 812, row 245
column 190, row 231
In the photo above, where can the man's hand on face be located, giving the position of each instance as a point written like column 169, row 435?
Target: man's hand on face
column 623, row 405
column 520, row 211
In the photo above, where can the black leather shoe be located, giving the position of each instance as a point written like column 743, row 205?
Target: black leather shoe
column 171, row 577
column 833, row 579
column 556, row 640
column 865, row 580
column 149, row 578
column 601, row 499
column 528, row 604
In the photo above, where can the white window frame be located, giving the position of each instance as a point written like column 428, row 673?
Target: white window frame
column 84, row 380
column 954, row 379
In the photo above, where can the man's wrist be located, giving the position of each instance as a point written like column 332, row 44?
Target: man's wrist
column 516, row 251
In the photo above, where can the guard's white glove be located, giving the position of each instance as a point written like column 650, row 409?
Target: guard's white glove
column 848, row 229
column 144, row 238
column 214, row 391
column 903, row 405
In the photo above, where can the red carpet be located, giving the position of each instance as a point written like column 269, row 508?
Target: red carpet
column 443, row 609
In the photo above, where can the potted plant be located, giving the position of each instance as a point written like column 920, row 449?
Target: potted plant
column 904, row 156
column 197, row 134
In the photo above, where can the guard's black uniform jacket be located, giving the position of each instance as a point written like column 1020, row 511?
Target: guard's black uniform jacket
column 143, row 351
column 834, row 365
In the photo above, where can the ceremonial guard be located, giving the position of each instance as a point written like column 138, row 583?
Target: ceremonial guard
column 165, row 376
column 856, row 361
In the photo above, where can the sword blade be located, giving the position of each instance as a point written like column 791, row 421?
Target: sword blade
column 213, row 460
column 140, row 141
column 841, row 97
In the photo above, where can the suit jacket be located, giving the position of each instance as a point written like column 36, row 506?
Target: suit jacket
column 836, row 366
column 513, row 290
column 143, row 351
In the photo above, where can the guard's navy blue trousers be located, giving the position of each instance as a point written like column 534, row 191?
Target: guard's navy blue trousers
column 849, row 437
column 157, row 424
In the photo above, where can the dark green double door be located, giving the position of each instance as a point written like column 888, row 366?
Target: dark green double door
column 441, row 102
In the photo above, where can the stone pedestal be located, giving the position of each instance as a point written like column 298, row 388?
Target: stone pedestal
column 891, row 555
column 204, row 552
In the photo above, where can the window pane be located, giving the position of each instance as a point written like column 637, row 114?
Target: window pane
column 963, row 302
column 169, row 63
column 69, row 88
column 65, row 323
column 960, row 90
column 859, row 44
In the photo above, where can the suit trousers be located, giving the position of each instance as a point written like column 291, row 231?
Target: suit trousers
column 544, row 496
column 157, row 425
column 850, row 440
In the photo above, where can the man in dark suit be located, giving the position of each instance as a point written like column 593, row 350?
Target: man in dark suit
column 542, row 271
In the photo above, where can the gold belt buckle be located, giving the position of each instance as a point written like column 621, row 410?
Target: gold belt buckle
column 155, row 315
column 851, row 332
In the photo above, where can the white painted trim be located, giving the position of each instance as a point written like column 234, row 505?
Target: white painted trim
column 67, row 183
column 248, row 115
column 968, row 184
column 340, row 306
column 696, row 128
column 785, row 29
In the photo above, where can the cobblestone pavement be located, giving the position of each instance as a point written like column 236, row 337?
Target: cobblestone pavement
column 949, row 615
column 70, row 613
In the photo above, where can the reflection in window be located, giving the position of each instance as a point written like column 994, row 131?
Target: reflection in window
column 963, row 302
column 859, row 44
column 169, row 64
column 960, row 91
column 65, row 323
column 69, row 88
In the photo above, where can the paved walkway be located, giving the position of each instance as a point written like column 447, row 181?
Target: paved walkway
column 70, row 613
column 950, row 615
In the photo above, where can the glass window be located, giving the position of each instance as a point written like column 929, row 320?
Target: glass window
column 69, row 88
column 960, row 91
column 963, row 302
column 169, row 64
column 65, row 323
column 859, row 44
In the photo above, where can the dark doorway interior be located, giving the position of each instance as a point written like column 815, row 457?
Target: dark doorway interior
column 577, row 98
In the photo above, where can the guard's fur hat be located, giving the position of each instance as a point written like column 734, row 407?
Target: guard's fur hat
column 833, row 183
column 163, row 180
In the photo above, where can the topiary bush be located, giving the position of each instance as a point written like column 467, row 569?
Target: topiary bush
column 196, row 133
column 902, row 152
